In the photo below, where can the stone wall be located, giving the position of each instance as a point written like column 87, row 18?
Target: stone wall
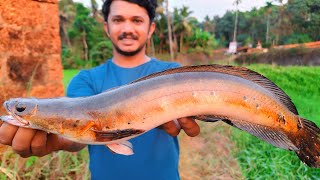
column 30, row 62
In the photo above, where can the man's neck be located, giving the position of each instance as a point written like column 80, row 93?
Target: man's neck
column 130, row 61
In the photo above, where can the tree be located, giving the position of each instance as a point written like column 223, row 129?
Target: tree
column 94, row 8
column 225, row 27
column 268, row 12
column 209, row 25
column 169, row 30
column 254, row 23
column 237, row 2
column 160, row 36
column 81, row 26
column 182, row 25
column 66, row 16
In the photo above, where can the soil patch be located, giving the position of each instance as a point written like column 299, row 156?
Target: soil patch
column 208, row 156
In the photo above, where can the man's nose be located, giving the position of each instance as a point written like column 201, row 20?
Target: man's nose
column 127, row 27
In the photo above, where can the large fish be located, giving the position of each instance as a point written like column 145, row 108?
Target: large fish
column 235, row 95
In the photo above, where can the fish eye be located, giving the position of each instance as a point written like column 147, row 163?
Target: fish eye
column 20, row 107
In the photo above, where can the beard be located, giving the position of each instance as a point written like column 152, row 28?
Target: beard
column 128, row 53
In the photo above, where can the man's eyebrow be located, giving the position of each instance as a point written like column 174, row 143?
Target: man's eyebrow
column 133, row 17
column 117, row 16
column 138, row 17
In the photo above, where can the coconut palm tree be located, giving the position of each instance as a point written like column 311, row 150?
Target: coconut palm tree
column 209, row 25
column 94, row 8
column 182, row 25
column 268, row 11
column 236, row 2
column 169, row 30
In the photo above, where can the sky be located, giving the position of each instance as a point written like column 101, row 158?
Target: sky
column 201, row 8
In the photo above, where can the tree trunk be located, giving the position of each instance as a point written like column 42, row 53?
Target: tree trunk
column 235, row 26
column 94, row 9
column 67, row 37
column 267, row 31
column 85, row 45
column 153, row 50
column 181, row 43
column 169, row 30
column 175, row 43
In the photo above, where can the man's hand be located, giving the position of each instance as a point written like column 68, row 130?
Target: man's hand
column 189, row 125
column 30, row 142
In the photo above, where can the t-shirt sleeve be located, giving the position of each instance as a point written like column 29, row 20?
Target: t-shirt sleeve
column 81, row 85
column 174, row 65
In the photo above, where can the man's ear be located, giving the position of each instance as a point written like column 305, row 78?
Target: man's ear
column 151, row 29
column 106, row 28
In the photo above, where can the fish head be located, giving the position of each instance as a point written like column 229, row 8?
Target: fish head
column 54, row 115
column 21, row 109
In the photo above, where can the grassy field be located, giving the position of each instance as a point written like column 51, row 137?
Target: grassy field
column 68, row 75
column 219, row 152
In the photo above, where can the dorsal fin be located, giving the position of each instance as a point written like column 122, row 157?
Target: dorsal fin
column 235, row 71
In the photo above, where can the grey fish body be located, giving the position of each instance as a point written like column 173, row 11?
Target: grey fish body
column 237, row 96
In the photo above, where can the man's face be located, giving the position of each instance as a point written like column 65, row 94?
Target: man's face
column 128, row 27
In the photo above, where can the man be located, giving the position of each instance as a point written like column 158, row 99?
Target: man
column 129, row 24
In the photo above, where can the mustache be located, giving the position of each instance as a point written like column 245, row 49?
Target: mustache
column 127, row 36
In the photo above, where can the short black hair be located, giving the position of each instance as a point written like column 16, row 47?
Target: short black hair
column 149, row 5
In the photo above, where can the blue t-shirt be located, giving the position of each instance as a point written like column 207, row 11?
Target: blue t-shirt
column 156, row 154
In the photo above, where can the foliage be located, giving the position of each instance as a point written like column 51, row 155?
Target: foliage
column 89, row 45
column 59, row 165
column 285, row 23
column 202, row 41
column 182, row 25
column 296, row 38
column 100, row 52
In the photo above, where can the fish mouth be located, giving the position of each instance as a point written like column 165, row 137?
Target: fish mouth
column 14, row 116
column 12, row 120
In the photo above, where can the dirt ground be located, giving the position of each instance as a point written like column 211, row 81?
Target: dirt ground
column 208, row 156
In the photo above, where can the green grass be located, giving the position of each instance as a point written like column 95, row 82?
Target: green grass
column 68, row 75
column 259, row 160
column 302, row 84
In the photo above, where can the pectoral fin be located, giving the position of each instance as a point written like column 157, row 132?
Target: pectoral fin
column 124, row 148
column 268, row 134
column 208, row 118
column 111, row 135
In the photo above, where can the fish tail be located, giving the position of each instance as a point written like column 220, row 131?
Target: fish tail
column 307, row 141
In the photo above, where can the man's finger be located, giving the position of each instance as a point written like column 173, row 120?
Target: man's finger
column 55, row 143
column 21, row 143
column 190, row 127
column 7, row 132
column 39, row 144
column 171, row 128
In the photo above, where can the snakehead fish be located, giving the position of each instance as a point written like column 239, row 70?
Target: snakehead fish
column 235, row 95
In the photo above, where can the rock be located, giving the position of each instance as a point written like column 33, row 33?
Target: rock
column 30, row 50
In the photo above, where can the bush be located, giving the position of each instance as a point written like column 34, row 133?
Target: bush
column 296, row 39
